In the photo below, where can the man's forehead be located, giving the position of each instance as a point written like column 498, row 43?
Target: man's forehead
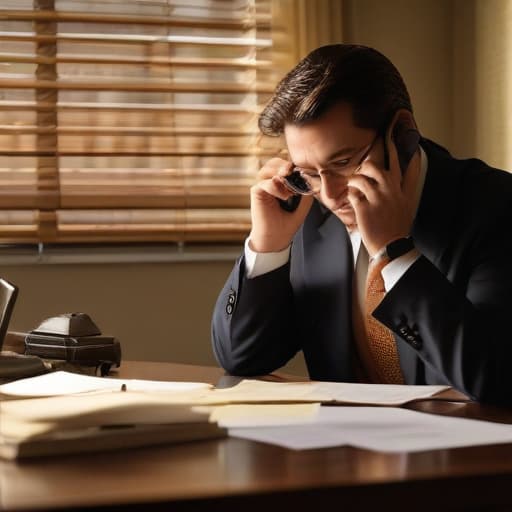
column 320, row 142
column 337, row 122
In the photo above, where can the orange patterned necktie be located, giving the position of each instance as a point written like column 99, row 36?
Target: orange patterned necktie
column 381, row 342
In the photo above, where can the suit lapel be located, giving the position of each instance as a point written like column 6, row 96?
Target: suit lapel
column 431, row 232
column 431, row 229
column 325, row 287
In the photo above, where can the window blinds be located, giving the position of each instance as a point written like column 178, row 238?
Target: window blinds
column 131, row 120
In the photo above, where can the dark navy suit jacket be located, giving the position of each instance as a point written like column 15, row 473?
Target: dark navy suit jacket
column 449, row 312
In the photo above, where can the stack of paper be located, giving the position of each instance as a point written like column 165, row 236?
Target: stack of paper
column 102, row 421
column 82, row 413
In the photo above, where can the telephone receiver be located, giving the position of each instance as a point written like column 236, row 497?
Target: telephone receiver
column 75, row 338
column 406, row 138
column 290, row 204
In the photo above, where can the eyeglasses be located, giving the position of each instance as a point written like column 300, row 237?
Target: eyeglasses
column 307, row 183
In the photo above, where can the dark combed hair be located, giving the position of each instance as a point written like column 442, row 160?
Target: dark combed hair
column 358, row 75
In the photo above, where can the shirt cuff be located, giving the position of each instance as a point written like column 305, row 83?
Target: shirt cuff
column 396, row 268
column 259, row 263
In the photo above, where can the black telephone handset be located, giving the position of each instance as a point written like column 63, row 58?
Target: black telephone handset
column 291, row 204
column 406, row 140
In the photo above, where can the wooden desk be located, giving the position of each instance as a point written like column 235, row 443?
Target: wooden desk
column 238, row 475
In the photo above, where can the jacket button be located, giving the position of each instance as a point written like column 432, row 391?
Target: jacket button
column 230, row 306
column 417, row 343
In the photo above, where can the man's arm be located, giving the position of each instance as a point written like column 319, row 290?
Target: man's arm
column 460, row 327
column 253, row 327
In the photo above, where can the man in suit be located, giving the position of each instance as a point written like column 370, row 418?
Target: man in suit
column 385, row 211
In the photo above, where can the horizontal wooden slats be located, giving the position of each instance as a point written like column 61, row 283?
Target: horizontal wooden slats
column 30, row 198
column 230, row 231
column 123, row 85
column 243, row 22
column 142, row 234
column 129, row 131
column 135, row 39
column 144, row 189
column 131, row 107
column 130, row 175
column 18, row 217
column 153, row 217
column 130, row 152
column 131, row 120
column 150, row 225
column 155, row 198
column 239, row 63
column 238, row 199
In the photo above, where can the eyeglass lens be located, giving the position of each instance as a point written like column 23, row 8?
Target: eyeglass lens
column 296, row 183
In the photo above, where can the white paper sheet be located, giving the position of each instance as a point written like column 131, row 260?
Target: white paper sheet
column 376, row 394
column 384, row 429
column 66, row 383
column 247, row 391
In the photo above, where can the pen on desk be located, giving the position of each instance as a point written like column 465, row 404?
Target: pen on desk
column 123, row 387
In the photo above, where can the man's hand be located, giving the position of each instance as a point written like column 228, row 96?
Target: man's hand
column 382, row 201
column 272, row 227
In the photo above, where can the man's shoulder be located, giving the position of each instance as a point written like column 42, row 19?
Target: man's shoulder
column 468, row 172
column 474, row 190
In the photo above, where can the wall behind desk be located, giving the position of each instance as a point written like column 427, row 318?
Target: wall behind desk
column 159, row 311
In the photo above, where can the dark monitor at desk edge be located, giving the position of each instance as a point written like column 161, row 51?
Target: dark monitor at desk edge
column 8, row 295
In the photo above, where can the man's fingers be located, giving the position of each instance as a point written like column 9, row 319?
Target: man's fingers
column 355, row 197
column 273, row 167
column 366, row 186
column 274, row 187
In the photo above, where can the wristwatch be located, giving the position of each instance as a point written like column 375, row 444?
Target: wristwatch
column 399, row 247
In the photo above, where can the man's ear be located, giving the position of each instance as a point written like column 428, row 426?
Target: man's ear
column 403, row 132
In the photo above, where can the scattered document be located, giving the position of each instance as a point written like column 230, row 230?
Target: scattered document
column 247, row 391
column 257, row 391
column 383, row 429
column 73, row 410
column 67, row 383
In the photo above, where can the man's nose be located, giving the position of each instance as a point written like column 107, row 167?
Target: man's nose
column 333, row 187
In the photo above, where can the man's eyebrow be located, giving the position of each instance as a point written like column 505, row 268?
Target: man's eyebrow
column 345, row 152
column 341, row 152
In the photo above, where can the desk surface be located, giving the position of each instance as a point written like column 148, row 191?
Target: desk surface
column 233, row 474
